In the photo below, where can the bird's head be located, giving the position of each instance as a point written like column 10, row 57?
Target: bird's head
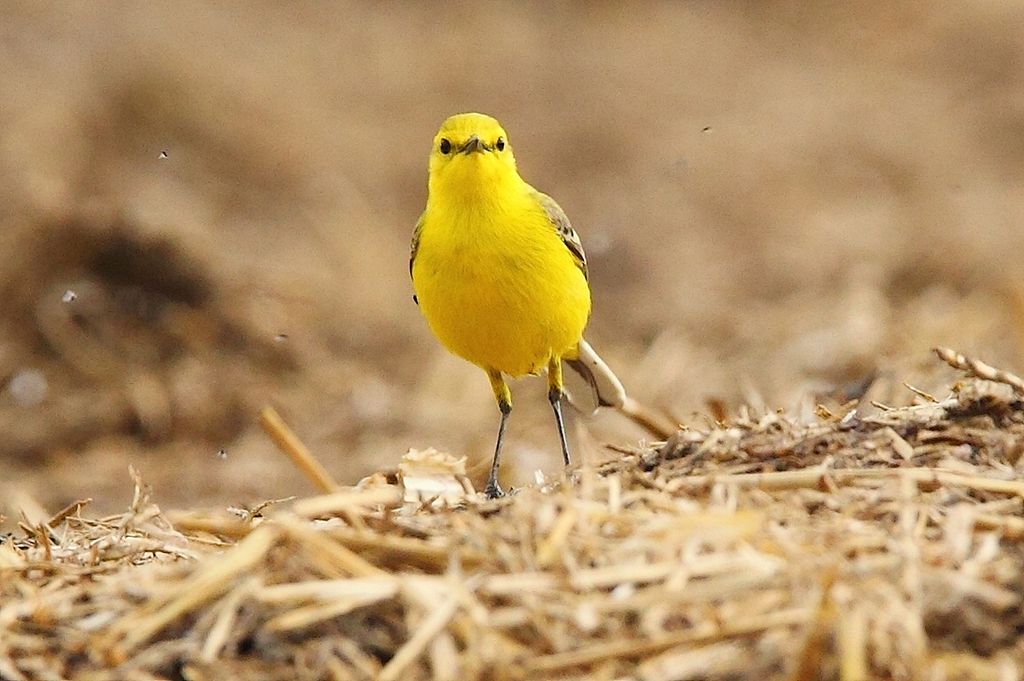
column 470, row 151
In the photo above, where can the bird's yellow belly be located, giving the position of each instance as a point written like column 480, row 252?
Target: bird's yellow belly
column 501, row 309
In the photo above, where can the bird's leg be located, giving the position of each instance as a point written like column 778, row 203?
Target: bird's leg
column 504, row 398
column 555, row 397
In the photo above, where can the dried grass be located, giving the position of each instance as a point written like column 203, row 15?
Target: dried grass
column 856, row 547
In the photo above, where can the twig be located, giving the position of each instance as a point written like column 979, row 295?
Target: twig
column 979, row 369
column 221, row 629
column 647, row 418
column 401, row 549
column 549, row 549
column 205, row 584
column 417, row 643
column 289, row 443
column 707, row 631
column 851, row 640
column 350, row 500
column 327, row 555
column 920, row 393
column 813, row 477
column 818, row 631
column 70, row 509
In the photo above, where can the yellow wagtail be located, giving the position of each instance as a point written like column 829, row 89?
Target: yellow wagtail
column 500, row 274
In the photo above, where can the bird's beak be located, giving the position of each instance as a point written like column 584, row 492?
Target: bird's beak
column 471, row 145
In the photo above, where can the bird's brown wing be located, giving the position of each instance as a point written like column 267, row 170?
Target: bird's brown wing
column 415, row 246
column 561, row 225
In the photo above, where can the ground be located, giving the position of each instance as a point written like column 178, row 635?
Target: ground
column 882, row 546
column 207, row 209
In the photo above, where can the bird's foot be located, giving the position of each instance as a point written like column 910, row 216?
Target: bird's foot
column 493, row 491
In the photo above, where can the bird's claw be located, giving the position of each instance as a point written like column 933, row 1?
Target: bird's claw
column 493, row 491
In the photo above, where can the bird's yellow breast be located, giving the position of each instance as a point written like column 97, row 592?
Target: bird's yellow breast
column 495, row 282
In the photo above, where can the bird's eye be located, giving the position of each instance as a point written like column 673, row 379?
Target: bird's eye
column 500, row 144
column 446, row 146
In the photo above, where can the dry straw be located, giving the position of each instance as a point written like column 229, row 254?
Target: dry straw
column 881, row 545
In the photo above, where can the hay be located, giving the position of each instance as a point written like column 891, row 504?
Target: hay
column 868, row 544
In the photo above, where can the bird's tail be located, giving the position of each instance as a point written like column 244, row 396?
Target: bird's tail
column 592, row 384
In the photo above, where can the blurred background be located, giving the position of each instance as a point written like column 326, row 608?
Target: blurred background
column 206, row 207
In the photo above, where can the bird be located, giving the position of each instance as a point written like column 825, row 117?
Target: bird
column 501, row 276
